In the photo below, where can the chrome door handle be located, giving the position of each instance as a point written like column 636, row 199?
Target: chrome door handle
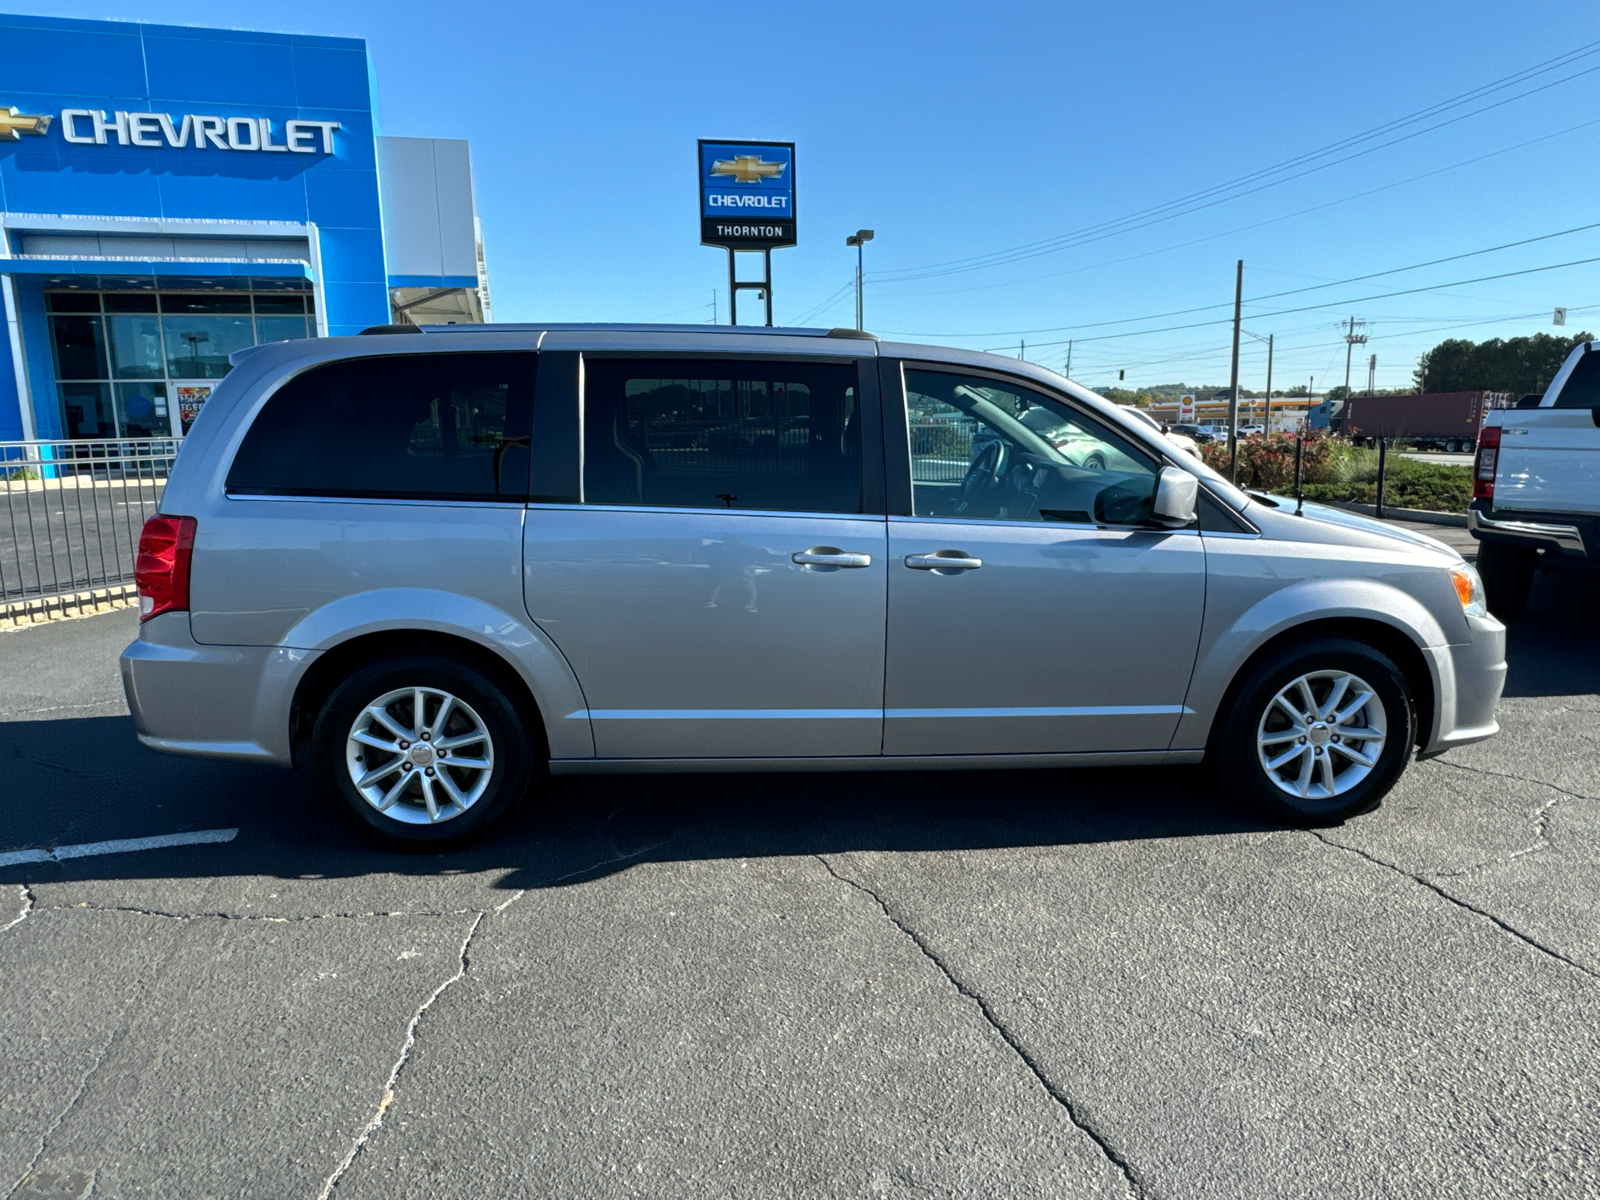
column 829, row 558
column 944, row 562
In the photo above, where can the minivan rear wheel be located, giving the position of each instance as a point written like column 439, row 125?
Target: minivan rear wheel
column 1318, row 733
column 422, row 751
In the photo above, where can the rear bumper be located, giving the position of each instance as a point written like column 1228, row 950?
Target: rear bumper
column 1470, row 678
column 1565, row 533
column 214, row 701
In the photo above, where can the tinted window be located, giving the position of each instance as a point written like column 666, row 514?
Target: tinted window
column 427, row 426
column 1582, row 389
column 699, row 433
column 982, row 449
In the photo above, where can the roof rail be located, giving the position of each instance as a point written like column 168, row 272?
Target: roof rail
column 625, row 327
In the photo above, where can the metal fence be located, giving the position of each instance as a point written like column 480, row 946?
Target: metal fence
column 70, row 516
column 941, row 448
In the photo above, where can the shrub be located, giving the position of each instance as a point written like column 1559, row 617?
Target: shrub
column 1266, row 464
column 1334, row 470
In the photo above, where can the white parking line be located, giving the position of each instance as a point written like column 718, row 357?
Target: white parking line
column 200, row 837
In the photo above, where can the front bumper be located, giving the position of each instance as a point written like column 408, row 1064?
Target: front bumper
column 1469, row 678
column 214, row 701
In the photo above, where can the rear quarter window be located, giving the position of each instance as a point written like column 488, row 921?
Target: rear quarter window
column 410, row 426
column 1582, row 389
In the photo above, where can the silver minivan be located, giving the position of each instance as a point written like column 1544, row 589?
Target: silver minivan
column 435, row 567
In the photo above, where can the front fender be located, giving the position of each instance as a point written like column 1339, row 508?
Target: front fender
column 534, row 657
column 1226, row 645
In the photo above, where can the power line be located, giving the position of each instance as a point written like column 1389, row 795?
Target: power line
column 1330, row 304
column 1211, row 237
column 1182, row 312
column 1214, row 195
column 818, row 309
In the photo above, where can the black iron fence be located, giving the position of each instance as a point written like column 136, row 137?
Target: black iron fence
column 70, row 516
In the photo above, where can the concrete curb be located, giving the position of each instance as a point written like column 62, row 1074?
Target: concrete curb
column 1392, row 513
column 19, row 614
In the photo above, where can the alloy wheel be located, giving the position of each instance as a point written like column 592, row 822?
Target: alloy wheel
column 419, row 755
column 1322, row 734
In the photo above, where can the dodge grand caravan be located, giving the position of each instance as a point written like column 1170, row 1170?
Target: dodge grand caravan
column 435, row 567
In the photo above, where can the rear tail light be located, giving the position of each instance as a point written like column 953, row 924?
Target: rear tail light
column 166, row 547
column 1483, row 466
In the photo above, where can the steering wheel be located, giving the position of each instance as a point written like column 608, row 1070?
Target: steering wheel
column 986, row 471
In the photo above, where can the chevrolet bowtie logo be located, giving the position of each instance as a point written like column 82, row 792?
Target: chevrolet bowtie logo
column 14, row 124
column 746, row 168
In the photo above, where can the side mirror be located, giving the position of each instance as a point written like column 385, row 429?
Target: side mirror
column 1176, row 495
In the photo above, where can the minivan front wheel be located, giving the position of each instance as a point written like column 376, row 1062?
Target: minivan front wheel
column 422, row 751
column 1319, row 733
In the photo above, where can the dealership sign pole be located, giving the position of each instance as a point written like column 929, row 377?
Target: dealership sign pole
column 747, row 204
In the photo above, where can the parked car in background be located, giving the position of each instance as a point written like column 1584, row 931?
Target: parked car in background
column 1182, row 441
column 1251, row 430
column 1536, row 485
column 1200, row 433
column 435, row 568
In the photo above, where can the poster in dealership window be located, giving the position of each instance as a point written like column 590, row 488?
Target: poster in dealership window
column 191, row 399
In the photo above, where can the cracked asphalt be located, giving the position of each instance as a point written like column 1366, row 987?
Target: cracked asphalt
column 1082, row 984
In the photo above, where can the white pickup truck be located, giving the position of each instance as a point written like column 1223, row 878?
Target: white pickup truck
column 1536, row 484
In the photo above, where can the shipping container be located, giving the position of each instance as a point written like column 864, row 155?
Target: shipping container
column 1426, row 420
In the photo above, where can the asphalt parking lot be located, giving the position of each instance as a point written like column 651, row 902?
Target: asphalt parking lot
column 1106, row 983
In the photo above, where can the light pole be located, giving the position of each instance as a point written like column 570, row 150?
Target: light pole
column 859, row 239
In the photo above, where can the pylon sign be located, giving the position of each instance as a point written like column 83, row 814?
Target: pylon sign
column 1186, row 408
column 747, row 194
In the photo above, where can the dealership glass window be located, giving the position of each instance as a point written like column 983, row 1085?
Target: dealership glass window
column 142, row 410
column 198, row 347
column 135, row 342
column 694, row 433
column 88, row 410
column 111, row 337
column 426, row 427
column 79, row 345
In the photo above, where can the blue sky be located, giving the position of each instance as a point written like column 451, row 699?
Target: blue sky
column 959, row 131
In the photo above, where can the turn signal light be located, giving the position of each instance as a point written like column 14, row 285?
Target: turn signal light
column 1484, row 466
column 166, row 547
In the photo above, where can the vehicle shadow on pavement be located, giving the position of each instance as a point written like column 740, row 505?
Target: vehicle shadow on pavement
column 1553, row 648
column 89, row 780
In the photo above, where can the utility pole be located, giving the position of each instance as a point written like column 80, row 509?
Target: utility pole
column 1233, row 377
column 1372, row 373
column 714, row 306
column 1022, row 351
column 1266, row 421
column 1068, row 371
column 1352, row 339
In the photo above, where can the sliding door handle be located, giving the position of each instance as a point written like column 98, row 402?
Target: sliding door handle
column 829, row 558
column 944, row 562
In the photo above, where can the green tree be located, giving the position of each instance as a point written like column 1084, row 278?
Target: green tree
column 1519, row 365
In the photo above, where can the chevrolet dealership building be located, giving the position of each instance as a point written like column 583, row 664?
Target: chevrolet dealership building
column 171, row 195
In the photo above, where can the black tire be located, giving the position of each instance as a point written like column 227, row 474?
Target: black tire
column 1234, row 755
column 481, row 707
column 1507, row 572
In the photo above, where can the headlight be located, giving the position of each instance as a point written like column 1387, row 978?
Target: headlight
column 1469, row 590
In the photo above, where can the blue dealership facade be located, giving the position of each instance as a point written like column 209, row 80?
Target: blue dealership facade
column 169, row 195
